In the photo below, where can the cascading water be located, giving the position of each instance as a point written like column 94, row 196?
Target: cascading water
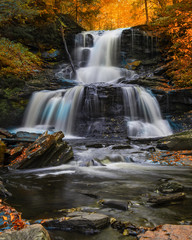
column 54, row 109
column 103, row 58
column 143, row 114
column 61, row 109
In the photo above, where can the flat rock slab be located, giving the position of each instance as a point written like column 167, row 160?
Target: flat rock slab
column 33, row 232
column 83, row 222
column 168, row 232
column 178, row 141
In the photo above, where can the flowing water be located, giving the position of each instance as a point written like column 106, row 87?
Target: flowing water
column 108, row 171
column 60, row 109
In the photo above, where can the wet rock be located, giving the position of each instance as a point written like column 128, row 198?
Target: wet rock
column 2, row 152
column 3, row 191
column 27, row 135
column 178, row 141
column 160, row 70
column 150, row 62
column 126, row 228
column 121, row 147
column 94, row 145
column 13, row 153
column 90, row 163
column 47, row 150
column 22, row 137
column 33, row 232
column 168, row 198
column 149, row 149
column 170, row 187
column 83, row 222
column 167, row 232
column 5, row 134
column 115, row 203
column 133, row 64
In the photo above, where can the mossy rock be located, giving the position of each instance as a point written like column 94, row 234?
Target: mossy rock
column 178, row 141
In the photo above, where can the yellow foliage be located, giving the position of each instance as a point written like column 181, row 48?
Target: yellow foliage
column 16, row 59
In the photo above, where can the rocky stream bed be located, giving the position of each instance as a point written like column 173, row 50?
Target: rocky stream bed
column 102, row 189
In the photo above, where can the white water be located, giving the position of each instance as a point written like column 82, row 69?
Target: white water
column 143, row 114
column 55, row 109
column 103, row 59
column 59, row 109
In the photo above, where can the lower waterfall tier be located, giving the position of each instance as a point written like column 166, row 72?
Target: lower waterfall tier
column 98, row 111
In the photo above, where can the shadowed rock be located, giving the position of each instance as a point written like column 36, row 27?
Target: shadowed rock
column 83, row 222
column 178, row 141
column 47, row 150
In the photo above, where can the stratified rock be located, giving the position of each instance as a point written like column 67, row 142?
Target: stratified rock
column 167, row 232
column 13, row 153
column 178, row 141
column 47, row 150
column 79, row 221
column 5, row 134
column 168, row 198
column 33, row 232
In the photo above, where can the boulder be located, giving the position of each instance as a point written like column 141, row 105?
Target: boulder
column 33, row 232
column 115, row 203
column 47, row 150
column 168, row 231
column 175, row 142
column 83, row 222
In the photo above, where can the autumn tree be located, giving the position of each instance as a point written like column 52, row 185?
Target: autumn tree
column 175, row 22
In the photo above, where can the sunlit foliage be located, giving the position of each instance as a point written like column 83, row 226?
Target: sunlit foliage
column 17, row 59
column 175, row 21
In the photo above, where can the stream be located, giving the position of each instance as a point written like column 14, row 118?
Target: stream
column 43, row 193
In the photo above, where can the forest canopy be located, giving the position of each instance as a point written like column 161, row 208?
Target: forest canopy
column 172, row 18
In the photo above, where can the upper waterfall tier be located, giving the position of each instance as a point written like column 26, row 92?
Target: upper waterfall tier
column 101, row 51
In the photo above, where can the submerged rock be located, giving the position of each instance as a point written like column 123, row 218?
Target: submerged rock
column 83, row 222
column 168, row 231
column 178, row 141
column 170, row 187
column 33, row 232
column 168, row 198
column 115, row 203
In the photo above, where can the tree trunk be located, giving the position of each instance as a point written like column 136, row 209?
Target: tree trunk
column 67, row 51
column 146, row 12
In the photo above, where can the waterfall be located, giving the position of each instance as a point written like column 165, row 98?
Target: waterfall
column 54, row 109
column 103, row 58
column 143, row 114
column 96, row 105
